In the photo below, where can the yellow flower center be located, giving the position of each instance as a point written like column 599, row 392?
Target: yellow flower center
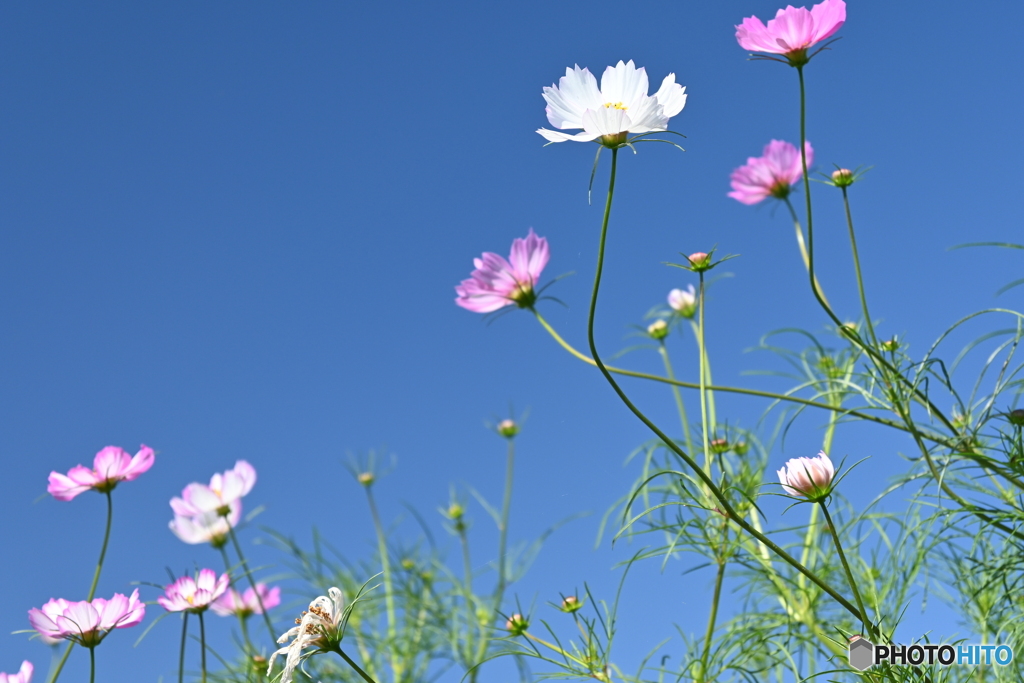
column 615, row 105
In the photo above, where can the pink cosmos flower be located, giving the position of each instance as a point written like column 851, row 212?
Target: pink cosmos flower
column 194, row 594
column 497, row 283
column 209, row 527
column 683, row 301
column 110, row 466
column 224, row 490
column 808, row 477
column 793, row 30
column 233, row 603
column 86, row 623
column 771, row 175
column 24, row 674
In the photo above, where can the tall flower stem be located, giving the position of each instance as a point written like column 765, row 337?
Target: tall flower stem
column 803, row 247
column 241, row 619
column 706, row 427
column 467, row 596
column 678, row 396
column 712, row 616
column 181, row 653
column 727, row 507
column 92, row 665
column 202, row 646
column 706, row 372
column 856, row 268
column 389, row 591
column 869, row 628
column 252, row 582
column 355, row 667
column 95, row 582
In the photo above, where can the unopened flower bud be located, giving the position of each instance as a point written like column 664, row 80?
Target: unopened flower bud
column 508, row 428
column 455, row 511
column 741, row 448
column 699, row 261
column 890, row 344
column 1016, row 417
column 408, row 563
column 517, row 624
column 570, row 604
column 365, row 478
column 658, row 329
column 719, row 445
column 842, row 177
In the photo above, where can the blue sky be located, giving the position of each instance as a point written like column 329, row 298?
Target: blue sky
column 231, row 230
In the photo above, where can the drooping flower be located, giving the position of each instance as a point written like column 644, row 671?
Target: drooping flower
column 86, row 623
column 683, row 301
column 793, row 30
column 620, row 106
column 194, row 594
column 110, row 466
column 320, row 627
column 209, row 527
column 24, row 674
column 233, row 603
column 771, row 175
column 224, row 490
column 808, row 477
column 497, row 282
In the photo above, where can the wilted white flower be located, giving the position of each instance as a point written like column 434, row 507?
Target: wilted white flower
column 621, row 105
column 320, row 627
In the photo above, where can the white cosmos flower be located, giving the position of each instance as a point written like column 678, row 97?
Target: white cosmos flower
column 621, row 105
column 320, row 627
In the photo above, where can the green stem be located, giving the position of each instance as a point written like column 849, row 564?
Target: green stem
column 856, row 268
column 92, row 665
column 202, row 644
column 389, row 592
column 467, row 594
column 181, row 652
column 678, row 396
column 722, row 500
column 803, row 247
column 704, row 358
column 869, row 628
column 355, row 667
column 703, row 381
column 252, row 582
column 711, row 621
column 231, row 585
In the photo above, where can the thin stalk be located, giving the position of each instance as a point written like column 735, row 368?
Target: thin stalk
column 92, row 665
column 803, row 247
column 181, row 653
column 555, row 648
column 711, row 621
column 231, row 584
column 252, row 582
column 856, row 268
column 869, row 628
column 680, row 406
column 716, row 492
column 355, row 667
column 389, row 592
column 703, row 381
column 467, row 593
column 202, row 644
column 707, row 375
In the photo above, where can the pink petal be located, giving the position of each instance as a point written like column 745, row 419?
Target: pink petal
column 63, row 488
column 110, row 463
column 140, row 462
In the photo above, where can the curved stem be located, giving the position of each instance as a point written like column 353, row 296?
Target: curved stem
column 719, row 496
column 856, row 267
column 869, row 627
column 680, row 406
column 181, row 653
column 202, row 645
column 389, row 592
column 803, row 247
column 103, row 549
column 711, row 621
column 92, row 665
column 252, row 582
column 355, row 667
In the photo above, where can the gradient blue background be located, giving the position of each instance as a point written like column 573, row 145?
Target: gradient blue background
column 231, row 230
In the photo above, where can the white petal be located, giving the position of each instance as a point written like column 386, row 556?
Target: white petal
column 576, row 92
column 555, row 136
column 671, row 96
column 648, row 115
column 623, row 83
column 605, row 121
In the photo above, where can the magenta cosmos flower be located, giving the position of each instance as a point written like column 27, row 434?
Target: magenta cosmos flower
column 233, row 603
column 808, row 477
column 86, row 623
column 194, row 594
column 497, row 283
column 110, row 466
column 24, row 674
column 793, row 30
column 770, row 175
column 224, row 490
column 620, row 106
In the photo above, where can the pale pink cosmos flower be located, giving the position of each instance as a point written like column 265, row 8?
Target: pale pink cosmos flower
column 224, row 489
column 793, row 30
column 86, row 623
column 209, row 527
column 770, row 175
column 233, row 603
column 620, row 106
column 808, row 477
column 24, row 674
column 497, row 282
column 110, row 466
column 194, row 594
column 683, row 301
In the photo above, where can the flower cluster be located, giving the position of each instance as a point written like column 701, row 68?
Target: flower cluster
column 207, row 513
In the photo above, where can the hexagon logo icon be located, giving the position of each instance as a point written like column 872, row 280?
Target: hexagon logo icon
column 862, row 653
